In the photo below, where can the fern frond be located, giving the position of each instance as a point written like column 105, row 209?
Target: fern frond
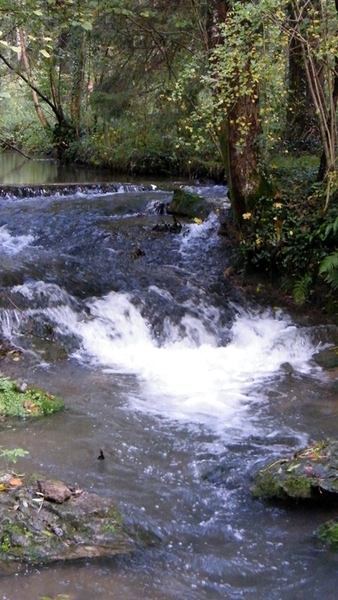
column 332, row 279
column 330, row 263
column 329, row 267
column 332, row 227
column 301, row 289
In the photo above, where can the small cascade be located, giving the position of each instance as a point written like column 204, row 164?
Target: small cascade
column 70, row 189
column 189, row 373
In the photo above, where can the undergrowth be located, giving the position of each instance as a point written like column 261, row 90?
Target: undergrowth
column 290, row 237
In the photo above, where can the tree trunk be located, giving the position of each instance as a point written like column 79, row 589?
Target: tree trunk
column 301, row 122
column 37, row 105
column 331, row 130
column 78, row 80
column 240, row 130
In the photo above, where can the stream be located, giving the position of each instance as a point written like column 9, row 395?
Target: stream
column 185, row 386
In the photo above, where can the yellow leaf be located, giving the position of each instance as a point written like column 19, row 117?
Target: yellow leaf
column 45, row 53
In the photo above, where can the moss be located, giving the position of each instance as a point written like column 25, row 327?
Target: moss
column 109, row 528
column 31, row 402
column 188, row 204
column 328, row 533
column 267, row 486
column 297, row 487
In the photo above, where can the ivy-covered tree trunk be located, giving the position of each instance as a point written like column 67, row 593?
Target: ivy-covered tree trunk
column 240, row 129
column 239, row 145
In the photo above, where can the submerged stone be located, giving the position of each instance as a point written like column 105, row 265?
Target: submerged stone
column 20, row 400
column 310, row 474
column 39, row 528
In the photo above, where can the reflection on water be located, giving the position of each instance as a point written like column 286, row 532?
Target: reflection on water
column 15, row 169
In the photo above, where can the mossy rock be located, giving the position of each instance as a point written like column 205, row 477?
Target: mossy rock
column 328, row 533
column 39, row 527
column 19, row 400
column 310, row 474
column 327, row 359
column 189, row 204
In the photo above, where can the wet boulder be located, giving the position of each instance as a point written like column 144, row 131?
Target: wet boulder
column 189, row 204
column 311, row 474
column 44, row 520
column 327, row 359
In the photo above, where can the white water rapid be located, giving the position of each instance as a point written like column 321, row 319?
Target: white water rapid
column 189, row 377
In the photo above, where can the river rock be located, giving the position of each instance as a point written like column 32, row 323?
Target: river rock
column 43, row 520
column 327, row 359
column 188, row 204
column 310, row 474
column 54, row 491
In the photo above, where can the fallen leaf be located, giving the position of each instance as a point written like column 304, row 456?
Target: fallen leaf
column 15, row 482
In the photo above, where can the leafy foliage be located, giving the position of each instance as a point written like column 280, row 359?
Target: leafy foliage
column 301, row 289
column 30, row 402
column 329, row 268
column 13, row 455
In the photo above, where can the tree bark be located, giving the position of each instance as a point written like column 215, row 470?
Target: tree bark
column 78, row 80
column 331, row 130
column 301, row 121
column 240, row 132
column 37, row 105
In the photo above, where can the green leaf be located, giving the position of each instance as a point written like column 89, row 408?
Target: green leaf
column 329, row 264
column 87, row 25
column 44, row 53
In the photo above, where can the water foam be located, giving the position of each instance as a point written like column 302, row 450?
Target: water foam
column 12, row 245
column 189, row 377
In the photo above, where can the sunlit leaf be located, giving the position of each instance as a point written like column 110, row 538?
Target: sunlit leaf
column 45, row 53
column 87, row 25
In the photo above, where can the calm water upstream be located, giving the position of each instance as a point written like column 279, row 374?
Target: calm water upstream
column 164, row 366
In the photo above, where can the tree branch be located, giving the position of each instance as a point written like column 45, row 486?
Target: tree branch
column 32, row 87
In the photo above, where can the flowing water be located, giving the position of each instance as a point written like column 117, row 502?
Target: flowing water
column 185, row 387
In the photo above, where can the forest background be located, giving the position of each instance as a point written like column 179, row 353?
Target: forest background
column 236, row 91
